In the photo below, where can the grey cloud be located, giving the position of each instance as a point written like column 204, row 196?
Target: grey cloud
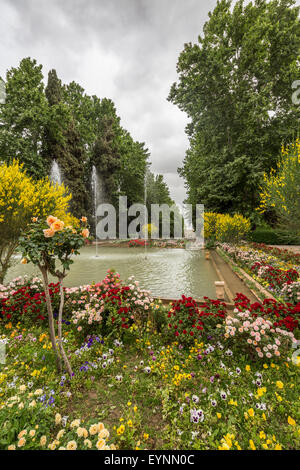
column 123, row 49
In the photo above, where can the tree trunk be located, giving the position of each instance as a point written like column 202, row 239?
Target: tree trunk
column 6, row 253
column 50, row 316
column 60, row 343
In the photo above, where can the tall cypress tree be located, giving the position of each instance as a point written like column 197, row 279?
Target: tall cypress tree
column 106, row 156
column 62, row 143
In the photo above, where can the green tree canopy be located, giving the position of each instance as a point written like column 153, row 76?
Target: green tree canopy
column 23, row 115
column 235, row 85
column 61, row 122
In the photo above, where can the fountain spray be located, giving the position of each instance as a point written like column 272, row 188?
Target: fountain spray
column 145, row 204
column 94, row 188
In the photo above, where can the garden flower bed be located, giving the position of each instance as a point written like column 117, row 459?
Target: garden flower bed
column 147, row 376
column 278, row 271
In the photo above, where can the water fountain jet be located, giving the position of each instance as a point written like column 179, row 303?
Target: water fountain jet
column 95, row 189
column 55, row 173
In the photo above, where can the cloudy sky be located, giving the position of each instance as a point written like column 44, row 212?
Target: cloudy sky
column 125, row 50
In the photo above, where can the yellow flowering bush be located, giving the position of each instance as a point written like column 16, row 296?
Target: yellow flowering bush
column 21, row 199
column 225, row 228
column 280, row 190
column 210, row 224
column 232, row 229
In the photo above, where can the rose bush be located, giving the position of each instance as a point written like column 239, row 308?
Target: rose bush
column 44, row 244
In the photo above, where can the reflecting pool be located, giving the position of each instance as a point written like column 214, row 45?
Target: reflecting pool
column 166, row 272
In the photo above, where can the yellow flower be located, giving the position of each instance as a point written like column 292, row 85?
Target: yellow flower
column 261, row 391
column 100, row 427
column 85, row 233
column 60, row 434
column 93, row 429
column 71, row 445
column 219, row 415
column 57, row 418
column 232, row 402
column 22, row 442
column 82, row 432
column 57, row 225
column 22, row 433
column 121, row 429
column 146, row 436
column 252, row 446
column 43, row 441
column 103, row 434
column 248, row 368
column 51, row 220
column 101, row 444
column 48, row 232
column 75, row 424
column 251, row 412
column 291, row 421
column 262, row 435
column 279, row 384
column 224, row 446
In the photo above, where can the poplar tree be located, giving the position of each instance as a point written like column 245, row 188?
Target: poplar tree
column 235, row 85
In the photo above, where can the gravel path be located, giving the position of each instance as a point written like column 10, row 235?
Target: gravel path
column 232, row 280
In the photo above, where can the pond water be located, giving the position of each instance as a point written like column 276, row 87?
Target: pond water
column 167, row 272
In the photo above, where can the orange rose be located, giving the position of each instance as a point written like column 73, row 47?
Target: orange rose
column 51, row 220
column 34, row 219
column 57, row 225
column 48, row 232
column 85, row 233
column 83, row 219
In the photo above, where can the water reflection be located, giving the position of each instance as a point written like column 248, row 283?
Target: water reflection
column 165, row 272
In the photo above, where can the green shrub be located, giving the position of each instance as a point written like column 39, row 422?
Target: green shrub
column 274, row 237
